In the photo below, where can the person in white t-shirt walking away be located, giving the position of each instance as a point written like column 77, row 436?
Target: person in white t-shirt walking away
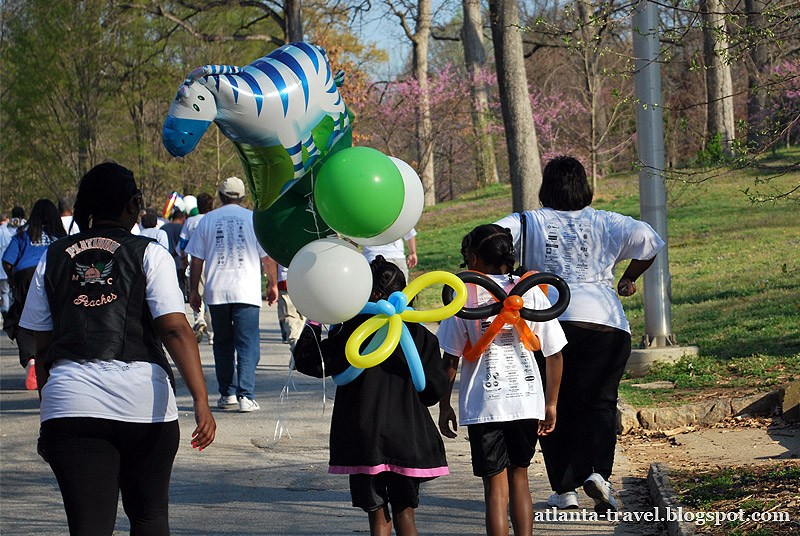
column 395, row 252
column 150, row 229
column 203, row 205
column 571, row 239
column 225, row 242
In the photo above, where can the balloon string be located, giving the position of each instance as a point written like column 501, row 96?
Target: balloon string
column 280, row 427
column 322, row 362
column 310, row 208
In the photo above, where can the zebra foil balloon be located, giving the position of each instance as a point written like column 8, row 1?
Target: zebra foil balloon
column 283, row 113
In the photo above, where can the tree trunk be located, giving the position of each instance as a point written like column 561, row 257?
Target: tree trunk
column 424, row 125
column 525, row 167
column 718, row 75
column 758, row 55
column 293, row 21
column 475, row 61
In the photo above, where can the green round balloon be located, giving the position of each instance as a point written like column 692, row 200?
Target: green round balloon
column 359, row 192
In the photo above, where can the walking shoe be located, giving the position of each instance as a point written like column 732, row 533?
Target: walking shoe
column 564, row 501
column 199, row 329
column 30, row 376
column 599, row 489
column 247, row 404
column 225, row 401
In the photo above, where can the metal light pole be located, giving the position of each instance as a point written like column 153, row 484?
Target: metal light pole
column 652, row 192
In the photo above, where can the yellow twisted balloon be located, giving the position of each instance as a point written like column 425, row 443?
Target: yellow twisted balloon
column 395, row 314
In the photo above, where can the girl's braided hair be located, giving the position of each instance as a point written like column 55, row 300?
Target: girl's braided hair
column 491, row 243
column 103, row 193
column 386, row 278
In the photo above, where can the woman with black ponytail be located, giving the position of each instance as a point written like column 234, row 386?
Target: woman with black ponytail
column 382, row 433
column 101, row 304
column 19, row 261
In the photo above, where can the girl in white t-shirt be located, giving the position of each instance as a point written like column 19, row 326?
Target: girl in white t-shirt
column 501, row 398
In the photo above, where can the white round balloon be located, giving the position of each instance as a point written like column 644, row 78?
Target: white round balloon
column 329, row 280
column 409, row 214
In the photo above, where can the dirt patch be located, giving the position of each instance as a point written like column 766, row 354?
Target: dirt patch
column 755, row 446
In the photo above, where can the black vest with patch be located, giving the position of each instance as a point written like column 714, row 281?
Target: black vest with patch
column 95, row 283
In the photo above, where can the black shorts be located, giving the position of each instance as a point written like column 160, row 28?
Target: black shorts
column 373, row 492
column 498, row 445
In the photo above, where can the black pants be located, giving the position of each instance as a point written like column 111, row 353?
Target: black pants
column 95, row 459
column 585, row 435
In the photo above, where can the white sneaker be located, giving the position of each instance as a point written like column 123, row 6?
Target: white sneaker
column 599, row 489
column 564, row 501
column 225, row 401
column 247, row 404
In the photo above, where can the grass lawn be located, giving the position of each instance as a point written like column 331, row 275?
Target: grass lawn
column 734, row 268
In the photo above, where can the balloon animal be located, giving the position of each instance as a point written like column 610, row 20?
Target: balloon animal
column 275, row 101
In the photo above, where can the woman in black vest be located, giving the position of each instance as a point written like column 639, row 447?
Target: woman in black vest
column 102, row 302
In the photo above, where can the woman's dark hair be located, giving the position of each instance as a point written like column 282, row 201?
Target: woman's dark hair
column 491, row 243
column 564, row 185
column 18, row 212
column 204, row 203
column 44, row 219
column 386, row 278
column 103, row 193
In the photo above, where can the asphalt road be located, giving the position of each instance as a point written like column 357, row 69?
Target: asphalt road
column 255, row 481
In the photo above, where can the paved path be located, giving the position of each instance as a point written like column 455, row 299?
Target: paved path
column 247, row 483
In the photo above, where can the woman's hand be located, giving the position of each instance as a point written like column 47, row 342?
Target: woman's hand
column 626, row 286
column 447, row 416
column 206, row 429
column 547, row 424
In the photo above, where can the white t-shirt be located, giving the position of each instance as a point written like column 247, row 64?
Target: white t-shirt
column 504, row 383
column 69, row 227
column 226, row 241
column 5, row 240
column 158, row 234
column 132, row 392
column 394, row 250
column 187, row 231
column 583, row 246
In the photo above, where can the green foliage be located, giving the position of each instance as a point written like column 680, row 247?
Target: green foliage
column 712, row 154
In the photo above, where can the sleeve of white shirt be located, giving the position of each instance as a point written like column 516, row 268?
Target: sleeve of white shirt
column 162, row 292
column 411, row 234
column 195, row 245
column 637, row 239
column 452, row 335
column 36, row 314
